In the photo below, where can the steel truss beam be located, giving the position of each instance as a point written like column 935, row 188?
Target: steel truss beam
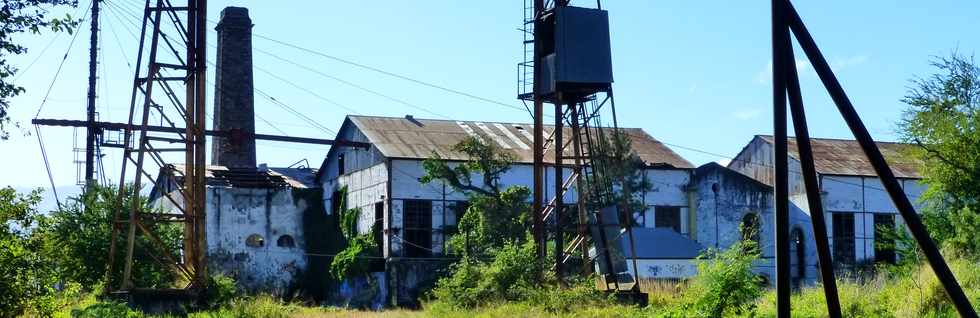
column 786, row 21
column 191, row 113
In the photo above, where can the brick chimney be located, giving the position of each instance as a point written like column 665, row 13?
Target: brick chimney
column 234, row 101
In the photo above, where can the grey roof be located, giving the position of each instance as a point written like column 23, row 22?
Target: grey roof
column 417, row 138
column 845, row 157
column 660, row 243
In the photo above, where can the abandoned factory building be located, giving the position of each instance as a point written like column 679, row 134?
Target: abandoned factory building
column 275, row 229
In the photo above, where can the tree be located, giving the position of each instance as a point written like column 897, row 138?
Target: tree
column 942, row 120
column 28, row 284
column 617, row 177
column 77, row 238
column 494, row 217
column 16, row 17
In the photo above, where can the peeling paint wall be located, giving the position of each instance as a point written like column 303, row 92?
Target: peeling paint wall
column 724, row 198
column 234, row 214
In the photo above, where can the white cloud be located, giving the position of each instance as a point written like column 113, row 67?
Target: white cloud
column 746, row 113
column 724, row 162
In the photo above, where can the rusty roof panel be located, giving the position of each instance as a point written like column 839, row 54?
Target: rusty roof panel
column 845, row 157
column 416, row 138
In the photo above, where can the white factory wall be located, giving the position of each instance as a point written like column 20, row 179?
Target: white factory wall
column 663, row 268
column 668, row 189
column 864, row 197
column 724, row 197
column 366, row 187
column 235, row 214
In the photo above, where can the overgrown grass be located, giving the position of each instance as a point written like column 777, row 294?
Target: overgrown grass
column 912, row 292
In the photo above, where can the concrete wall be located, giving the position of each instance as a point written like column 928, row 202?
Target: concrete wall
column 234, row 214
column 664, row 268
column 724, row 197
column 365, row 188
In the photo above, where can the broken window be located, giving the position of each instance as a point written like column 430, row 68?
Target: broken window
column 417, row 218
column 669, row 217
column 286, row 241
column 255, row 240
column 843, row 238
column 750, row 229
column 885, row 238
column 335, row 199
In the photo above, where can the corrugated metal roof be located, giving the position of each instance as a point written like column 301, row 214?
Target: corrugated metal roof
column 845, row 157
column 416, row 138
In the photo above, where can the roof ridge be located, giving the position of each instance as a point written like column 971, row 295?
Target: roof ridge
column 838, row 139
column 464, row 120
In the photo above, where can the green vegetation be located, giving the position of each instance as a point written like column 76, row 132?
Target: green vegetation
column 354, row 260
column 943, row 119
column 495, row 217
column 20, row 16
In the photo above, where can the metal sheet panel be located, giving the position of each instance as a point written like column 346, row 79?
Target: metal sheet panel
column 845, row 157
column 416, row 138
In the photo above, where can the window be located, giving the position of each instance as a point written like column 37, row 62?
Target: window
column 669, row 217
column 751, row 229
column 379, row 218
column 417, row 219
column 458, row 209
column 255, row 240
column 843, row 238
column 639, row 218
column 286, row 241
column 340, row 164
column 884, row 238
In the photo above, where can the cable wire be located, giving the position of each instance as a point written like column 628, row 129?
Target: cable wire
column 60, row 65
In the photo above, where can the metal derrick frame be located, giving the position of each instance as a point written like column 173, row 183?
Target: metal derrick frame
column 786, row 21
column 193, row 33
column 587, row 132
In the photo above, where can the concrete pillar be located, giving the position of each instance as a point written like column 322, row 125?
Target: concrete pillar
column 234, row 101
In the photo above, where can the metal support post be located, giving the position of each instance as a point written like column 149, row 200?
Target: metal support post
column 813, row 198
column 884, row 172
column 780, row 38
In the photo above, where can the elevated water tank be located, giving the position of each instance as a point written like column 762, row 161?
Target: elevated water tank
column 580, row 62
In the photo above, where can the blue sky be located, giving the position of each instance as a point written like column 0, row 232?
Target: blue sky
column 690, row 73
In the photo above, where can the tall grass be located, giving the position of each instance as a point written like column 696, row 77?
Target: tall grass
column 912, row 292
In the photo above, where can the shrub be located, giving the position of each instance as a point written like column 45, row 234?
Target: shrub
column 513, row 270
column 725, row 285
column 221, row 291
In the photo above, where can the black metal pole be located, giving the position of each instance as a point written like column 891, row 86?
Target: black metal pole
column 559, row 190
column 538, row 167
column 90, row 129
column 813, row 197
column 888, row 180
column 780, row 39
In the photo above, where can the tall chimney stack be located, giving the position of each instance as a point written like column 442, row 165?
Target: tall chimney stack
column 234, row 101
